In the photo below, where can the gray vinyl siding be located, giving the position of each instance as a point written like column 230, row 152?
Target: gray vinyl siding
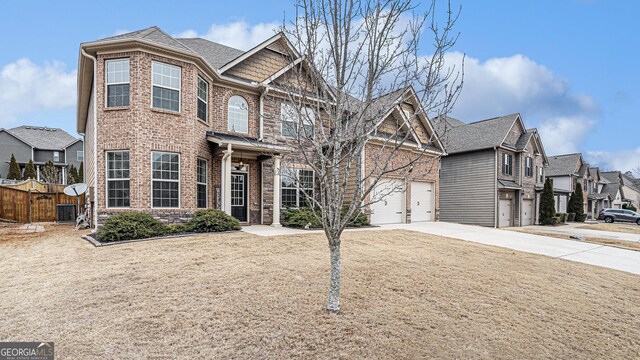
column 72, row 154
column 467, row 188
column 10, row 145
column 47, row 155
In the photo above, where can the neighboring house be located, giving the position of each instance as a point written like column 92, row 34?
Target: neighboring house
column 597, row 197
column 493, row 173
column 566, row 172
column 174, row 125
column 40, row 144
column 630, row 189
column 613, row 186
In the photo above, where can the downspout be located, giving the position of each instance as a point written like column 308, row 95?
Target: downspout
column 94, row 209
column 496, row 211
column 266, row 90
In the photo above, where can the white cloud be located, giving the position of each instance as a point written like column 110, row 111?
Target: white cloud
column 505, row 85
column 624, row 160
column 238, row 34
column 26, row 87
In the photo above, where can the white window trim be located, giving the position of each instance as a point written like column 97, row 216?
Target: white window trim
column 206, row 184
column 229, row 127
column 282, row 121
column 528, row 165
column 56, row 156
column 78, row 155
column 297, row 185
column 179, row 89
column 168, row 180
column 206, row 101
column 107, row 83
column 106, row 183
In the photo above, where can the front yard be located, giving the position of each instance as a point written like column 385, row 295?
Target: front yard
column 629, row 228
column 234, row 295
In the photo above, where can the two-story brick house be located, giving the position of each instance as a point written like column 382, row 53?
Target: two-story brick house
column 566, row 172
column 174, row 125
column 493, row 173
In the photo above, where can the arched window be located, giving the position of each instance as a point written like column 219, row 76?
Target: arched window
column 238, row 114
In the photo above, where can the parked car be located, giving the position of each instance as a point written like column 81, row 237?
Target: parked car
column 611, row 215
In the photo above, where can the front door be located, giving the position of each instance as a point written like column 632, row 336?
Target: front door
column 504, row 208
column 239, row 196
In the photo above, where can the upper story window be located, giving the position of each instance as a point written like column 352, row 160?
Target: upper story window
column 238, row 114
column 166, row 86
column 166, row 180
column 203, row 99
column 584, row 185
column 528, row 166
column 117, row 82
column 118, row 182
column 56, row 156
column 291, row 121
column 507, row 164
column 80, row 155
column 540, row 174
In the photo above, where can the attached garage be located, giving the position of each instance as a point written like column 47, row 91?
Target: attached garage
column 388, row 199
column 527, row 212
column 422, row 204
column 505, row 213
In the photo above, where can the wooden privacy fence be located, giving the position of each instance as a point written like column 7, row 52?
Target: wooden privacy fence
column 31, row 206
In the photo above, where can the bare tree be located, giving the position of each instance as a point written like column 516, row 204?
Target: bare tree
column 359, row 59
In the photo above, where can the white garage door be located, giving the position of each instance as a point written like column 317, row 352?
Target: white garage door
column 527, row 212
column 505, row 213
column 387, row 201
column 421, row 201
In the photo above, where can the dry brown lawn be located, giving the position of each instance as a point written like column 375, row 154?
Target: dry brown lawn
column 622, row 244
column 405, row 295
column 629, row 228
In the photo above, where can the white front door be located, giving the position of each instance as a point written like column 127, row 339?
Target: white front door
column 387, row 200
column 562, row 204
column 504, row 210
column 421, row 201
column 527, row 212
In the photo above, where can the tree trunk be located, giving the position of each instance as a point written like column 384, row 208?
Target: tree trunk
column 333, row 304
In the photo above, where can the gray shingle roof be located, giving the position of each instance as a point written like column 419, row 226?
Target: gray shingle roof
column 478, row 135
column 524, row 139
column 613, row 183
column 630, row 181
column 215, row 54
column 153, row 34
column 42, row 137
column 563, row 165
column 583, row 169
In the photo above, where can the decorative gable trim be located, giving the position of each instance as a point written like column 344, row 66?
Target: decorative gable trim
column 262, row 45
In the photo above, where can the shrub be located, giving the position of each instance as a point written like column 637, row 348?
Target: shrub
column 547, row 204
column 300, row 218
column 562, row 216
column 14, row 169
column 629, row 207
column 212, row 220
column 576, row 202
column 176, row 229
column 29, row 171
column 555, row 220
column 581, row 217
column 129, row 226
column 571, row 217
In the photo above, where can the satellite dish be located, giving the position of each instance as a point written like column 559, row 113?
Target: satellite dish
column 76, row 189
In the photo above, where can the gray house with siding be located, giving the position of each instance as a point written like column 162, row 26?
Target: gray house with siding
column 494, row 172
column 40, row 144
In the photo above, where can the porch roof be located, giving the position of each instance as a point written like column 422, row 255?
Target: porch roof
column 246, row 143
column 509, row 184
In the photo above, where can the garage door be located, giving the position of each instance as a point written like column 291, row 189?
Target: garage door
column 387, row 201
column 421, row 201
column 527, row 212
column 505, row 213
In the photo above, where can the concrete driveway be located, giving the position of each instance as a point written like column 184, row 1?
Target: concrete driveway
column 592, row 254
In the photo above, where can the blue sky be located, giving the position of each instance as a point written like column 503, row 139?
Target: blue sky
column 568, row 66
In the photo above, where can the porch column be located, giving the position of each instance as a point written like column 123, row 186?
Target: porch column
column 226, row 180
column 276, row 191
column 38, row 172
column 64, row 176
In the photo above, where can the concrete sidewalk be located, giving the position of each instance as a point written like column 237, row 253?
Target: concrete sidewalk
column 573, row 229
column 592, row 254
